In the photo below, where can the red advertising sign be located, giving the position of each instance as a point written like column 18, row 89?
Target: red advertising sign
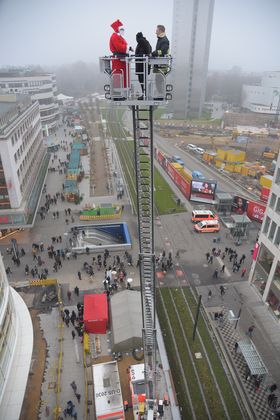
column 171, row 171
column 265, row 194
column 255, row 211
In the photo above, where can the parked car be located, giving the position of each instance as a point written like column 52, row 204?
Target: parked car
column 191, row 146
column 199, row 150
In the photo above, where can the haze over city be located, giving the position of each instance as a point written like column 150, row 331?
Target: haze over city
column 53, row 33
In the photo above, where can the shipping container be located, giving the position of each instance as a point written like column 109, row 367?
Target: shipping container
column 266, row 181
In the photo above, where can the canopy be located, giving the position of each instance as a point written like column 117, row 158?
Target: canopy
column 96, row 313
column 252, row 357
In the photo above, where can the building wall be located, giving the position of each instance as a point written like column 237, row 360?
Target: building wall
column 265, row 271
column 41, row 88
column 21, row 154
column 192, row 25
column 265, row 98
column 16, row 346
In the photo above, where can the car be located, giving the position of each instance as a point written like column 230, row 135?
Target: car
column 199, row 215
column 207, row 226
column 191, row 146
column 177, row 159
column 199, row 150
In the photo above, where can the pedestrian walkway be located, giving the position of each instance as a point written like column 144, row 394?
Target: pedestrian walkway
column 266, row 336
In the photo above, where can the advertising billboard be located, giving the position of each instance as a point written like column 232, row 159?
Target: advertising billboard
column 255, row 211
column 239, row 205
column 203, row 190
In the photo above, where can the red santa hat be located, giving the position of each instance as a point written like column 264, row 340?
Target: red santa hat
column 116, row 25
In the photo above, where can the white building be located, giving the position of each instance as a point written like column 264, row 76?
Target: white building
column 16, row 346
column 192, row 26
column 41, row 87
column 264, row 99
column 23, row 160
column 265, row 271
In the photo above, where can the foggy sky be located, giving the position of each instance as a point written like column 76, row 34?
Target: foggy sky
column 245, row 33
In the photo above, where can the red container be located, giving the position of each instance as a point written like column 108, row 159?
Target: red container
column 264, row 194
column 255, row 211
column 96, row 313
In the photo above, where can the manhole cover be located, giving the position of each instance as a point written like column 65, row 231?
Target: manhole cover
column 195, row 275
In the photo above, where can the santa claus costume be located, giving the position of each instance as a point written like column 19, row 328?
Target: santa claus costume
column 119, row 48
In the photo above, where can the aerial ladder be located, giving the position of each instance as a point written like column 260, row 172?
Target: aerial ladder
column 124, row 89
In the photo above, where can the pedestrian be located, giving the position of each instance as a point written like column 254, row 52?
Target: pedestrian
column 209, row 294
column 69, row 295
column 207, row 256
column 78, row 396
column 211, row 259
column 79, row 275
column 222, row 290
column 73, row 386
column 235, row 347
column 223, row 268
column 77, row 291
column 271, row 388
column 143, row 48
column 270, row 399
column 250, row 331
column 215, row 274
column 243, row 272
column 73, row 334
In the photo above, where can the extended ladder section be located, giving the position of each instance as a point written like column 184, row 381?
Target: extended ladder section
column 143, row 146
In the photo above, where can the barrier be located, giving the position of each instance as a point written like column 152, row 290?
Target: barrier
column 44, row 282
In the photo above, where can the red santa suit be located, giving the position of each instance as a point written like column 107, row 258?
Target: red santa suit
column 119, row 48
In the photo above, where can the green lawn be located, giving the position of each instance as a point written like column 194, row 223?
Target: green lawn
column 205, row 375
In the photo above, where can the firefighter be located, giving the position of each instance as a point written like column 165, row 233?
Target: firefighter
column 162, row 50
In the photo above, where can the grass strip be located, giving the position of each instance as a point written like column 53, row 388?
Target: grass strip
column 173, row 361
column 221, row 378
column 211, row 394
column 189, row 371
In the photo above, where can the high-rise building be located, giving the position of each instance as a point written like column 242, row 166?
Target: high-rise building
column 192, row 25
column 42, row 88
column 16, row 346
column 23, row 160
column 265, row 270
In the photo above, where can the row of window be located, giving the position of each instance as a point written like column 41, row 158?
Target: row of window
column 30, row 83
column 25, row 142
column 269, row 229
column 29, row 171
column 24, row 126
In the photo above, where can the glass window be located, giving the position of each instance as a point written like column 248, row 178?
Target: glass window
column 278, row 206
column 265, row 259
column 272, row 200
column 272, row 231
column 277, row 237
column 277, row 179
column 266, row 224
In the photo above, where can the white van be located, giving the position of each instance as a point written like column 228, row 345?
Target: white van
column 191, row 146
column 199, row 215
column 199, row 150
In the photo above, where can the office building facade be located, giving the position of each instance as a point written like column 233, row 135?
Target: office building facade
column 23, row 160
column 192, row 26
column 16, row 346
column 263, row 98
column 41, row 87
column 265, row 270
